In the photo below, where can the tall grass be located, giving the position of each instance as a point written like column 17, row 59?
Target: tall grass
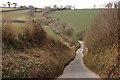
column 7, row 35
column 101, row 40
column 41, row 56
column 32, row 35
column 103, row 32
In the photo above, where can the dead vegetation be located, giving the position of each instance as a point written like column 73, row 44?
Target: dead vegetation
column 57, row 26
column 31, row 53
column 33, row 35
column 103, row 32
column 102, row 43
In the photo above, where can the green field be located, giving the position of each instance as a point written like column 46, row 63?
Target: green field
column 2, row 9
column 19, row 15
column 79, row 19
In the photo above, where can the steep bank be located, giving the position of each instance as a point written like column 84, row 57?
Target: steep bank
column 45, row 62
column 33, row 54
column 102, row 40
column 104, row 62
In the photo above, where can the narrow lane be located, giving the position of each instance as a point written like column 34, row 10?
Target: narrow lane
column 77, row 68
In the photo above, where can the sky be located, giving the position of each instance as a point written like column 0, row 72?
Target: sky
column 42, row 3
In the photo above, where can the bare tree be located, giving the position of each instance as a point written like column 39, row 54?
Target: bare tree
column 74, row 7
column 55, row 7
column 109, row 5
column 46, row 10
column 4, row 5
column 31, row 11
column 15, row 4
column 94, row 6
column 115, row 5
column 9, row 4
column 61, row 6
column 69, row 6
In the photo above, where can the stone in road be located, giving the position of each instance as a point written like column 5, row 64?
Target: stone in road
column 77, row 69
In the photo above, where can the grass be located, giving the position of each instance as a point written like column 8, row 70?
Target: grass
column 19, row 15
column 104, row 63
column 80, row 19
column 1, row 9
column 16, row 14
column 102, row 55
column 36, row 62
column 51, row 34
column 44, row 60
column 47, row 60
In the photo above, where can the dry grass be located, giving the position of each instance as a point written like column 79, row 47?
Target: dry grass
column 19, row 15
column 33, row 54
column 104, row 62
column 46, row 62
column 31, row 35
column 8, row 35
column 7, row 8
column 103, row 32
column 102, row 43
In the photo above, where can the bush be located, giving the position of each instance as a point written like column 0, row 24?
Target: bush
column 39, row 35
column 33, row 35
column 103, row 32
column 8, row 35
column 31, row 11
column 80, row 35
column 69, row 31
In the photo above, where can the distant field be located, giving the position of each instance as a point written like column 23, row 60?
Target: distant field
column 23, row 15
column 79, row 19
column 7, row 9
column 19, row 15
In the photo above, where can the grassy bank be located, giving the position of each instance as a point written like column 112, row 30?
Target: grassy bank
column 102, row 55
column 45, row 62
column 32, row 53
column 104, row 62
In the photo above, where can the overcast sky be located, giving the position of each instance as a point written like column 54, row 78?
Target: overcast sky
column 77, row 3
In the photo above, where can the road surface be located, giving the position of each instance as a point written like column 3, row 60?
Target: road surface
column 77, row 69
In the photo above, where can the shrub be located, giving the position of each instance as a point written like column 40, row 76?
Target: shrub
column 31, row 11
column 33, row 35
column 80, row 35
column 8, row 35
column 103, row 32
column 39, row 35
column 69, row 31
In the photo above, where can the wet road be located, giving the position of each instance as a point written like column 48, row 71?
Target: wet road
column 77, row 69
